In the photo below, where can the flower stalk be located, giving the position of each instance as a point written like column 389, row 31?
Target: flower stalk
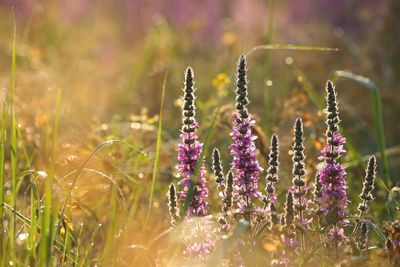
column 245, row 166
column 189, row 153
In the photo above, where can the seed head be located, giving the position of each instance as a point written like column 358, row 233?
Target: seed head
column 173, row 204
column 298, row 153
column 228, row 193
column 273, row 162
column 368, row 185
column 332, row 111
column 189, row 108
column 217, row 167
column 241, row 89
column 362, row 239
column 289, row 210
column 317, row 188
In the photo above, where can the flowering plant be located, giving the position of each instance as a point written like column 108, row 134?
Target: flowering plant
column 308, row 223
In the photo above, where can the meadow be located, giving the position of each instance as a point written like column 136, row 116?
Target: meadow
column 203, row 133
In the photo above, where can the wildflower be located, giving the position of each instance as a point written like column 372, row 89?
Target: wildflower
column 228, row 193
column 368, row 185
column 220, row 83
column 332, row 119
column 272, row 178
column 362, row 237
column 299, row 188
column 218, row 171
column 245, row 166
column 336, row 233
column 189, row 153
column 227, row 202
column 298, row 154
column 272, row 171
column 333, row 196
column 172, row 204
column 199, row 236
column 317, row 188
column 289, row 210
column 289, row 234
column 274, row 214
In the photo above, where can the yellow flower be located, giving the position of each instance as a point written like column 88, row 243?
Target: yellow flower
column 229, row 39
column 220, row 82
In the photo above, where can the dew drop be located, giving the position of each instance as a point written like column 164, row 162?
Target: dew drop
column 289, row 60
column 338, row 32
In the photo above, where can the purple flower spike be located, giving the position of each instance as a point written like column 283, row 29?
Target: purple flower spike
column 334, row 196
column 245, row 166
column 332, row 177
column 189, row 153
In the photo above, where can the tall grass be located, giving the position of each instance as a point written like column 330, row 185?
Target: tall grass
column 377, row 114
column 267, row 62
column 48, row 219
column 13, row 140
column 158, row 150
column 4, row 119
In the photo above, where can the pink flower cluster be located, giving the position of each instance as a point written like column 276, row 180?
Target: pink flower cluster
column 245, row 165
column 188, row 155
column 333, row 200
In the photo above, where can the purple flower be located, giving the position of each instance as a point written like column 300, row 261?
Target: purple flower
column 335, row 150
column 272, row 171
column 336, row 233
column 299, row 196
column 333, row 191
column 200, row 237
column 245, row 166
column 189, row 153
column 300, row 188
column 332, row 177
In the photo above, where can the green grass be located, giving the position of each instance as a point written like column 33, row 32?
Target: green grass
column 125, row 219
column 4, row 123
column 267, row 62
column 157, row 155
column 13, row 140
column 378, row 117
column 48, row 220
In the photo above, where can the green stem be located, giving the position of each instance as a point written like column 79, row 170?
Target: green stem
column 158, row 150
column 13, row 140
column 270, row 25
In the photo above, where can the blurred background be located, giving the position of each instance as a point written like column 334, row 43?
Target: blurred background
column 110, row 58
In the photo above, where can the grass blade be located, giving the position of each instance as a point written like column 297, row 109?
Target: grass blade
column 291, row 47
column 86, row 162
column 158, row 149
column 4, row 123
column 267, row 62
column 47, row 235
column 378, row 116
column 13, row 140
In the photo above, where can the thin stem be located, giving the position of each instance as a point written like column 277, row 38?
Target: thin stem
column 302, row 238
